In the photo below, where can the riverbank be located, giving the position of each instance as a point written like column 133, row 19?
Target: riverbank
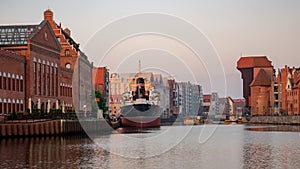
column 52, row 128
column 278, row 120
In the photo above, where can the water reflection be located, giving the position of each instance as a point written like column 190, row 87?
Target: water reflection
column 231, row 146
column 271, row 147
column 281, row 128
column 45, row 152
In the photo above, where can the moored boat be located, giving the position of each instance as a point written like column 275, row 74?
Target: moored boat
column 140, row 106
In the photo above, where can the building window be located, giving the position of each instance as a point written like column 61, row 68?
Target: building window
column 67, row 52
column 21, row 85
column 17, row 84
column 46, row 36
column 13, row 84
column 68, row 65
column 58, row 39
column 9, row 83
column 45, row 83
column 0, row 82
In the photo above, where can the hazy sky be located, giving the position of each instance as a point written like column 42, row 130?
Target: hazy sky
column 232, row 27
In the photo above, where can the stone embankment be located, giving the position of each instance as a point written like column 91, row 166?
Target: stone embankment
column 53, row 127
column 281, row 120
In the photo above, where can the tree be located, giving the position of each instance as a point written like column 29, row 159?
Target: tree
column 101, row 102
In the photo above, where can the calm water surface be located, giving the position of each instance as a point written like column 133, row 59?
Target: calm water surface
column 208, row 146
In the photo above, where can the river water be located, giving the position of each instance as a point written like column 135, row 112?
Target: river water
column 206, row 146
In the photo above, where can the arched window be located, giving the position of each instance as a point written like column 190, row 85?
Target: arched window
column 21, row 83
column 67, row 52
column 46, row 36
column 4, row 81
column 0, row 80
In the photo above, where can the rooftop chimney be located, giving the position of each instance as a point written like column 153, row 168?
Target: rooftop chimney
column 67, row 31
column 48, row 15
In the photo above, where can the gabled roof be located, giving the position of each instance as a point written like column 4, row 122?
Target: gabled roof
column 261, row 79
column 16, row 35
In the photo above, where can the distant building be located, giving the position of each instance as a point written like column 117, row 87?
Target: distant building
column 226, row 108
column 293, row 92
column 101, row 81
column 174, row 97
column 285, row 90
column 257, row 75
column 214, row 104
column 12, row 82
column 239, row 107
column 206, row 104
column 190, row 99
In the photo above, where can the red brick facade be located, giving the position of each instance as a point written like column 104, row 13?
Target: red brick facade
column 42, row 67
column 101, row 80
column 12, row 82
column 68, row 57
column 257, row 75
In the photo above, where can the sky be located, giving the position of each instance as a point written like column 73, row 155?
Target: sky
column 193, row 40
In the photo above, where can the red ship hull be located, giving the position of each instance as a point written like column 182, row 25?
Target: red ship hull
column 141, row 122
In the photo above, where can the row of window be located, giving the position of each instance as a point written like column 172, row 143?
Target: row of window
column 45, row 79
column 292, row 93
column 8, row 106
column 13, row 84
column 44, row 62
column 66, row 91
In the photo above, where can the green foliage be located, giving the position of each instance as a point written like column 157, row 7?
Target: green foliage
column 36, row 112
column 101, row 102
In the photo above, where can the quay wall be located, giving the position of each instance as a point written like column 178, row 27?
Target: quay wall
column 53, row 127
column 281, row 120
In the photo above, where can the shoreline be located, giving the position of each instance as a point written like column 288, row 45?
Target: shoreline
column 276, row 120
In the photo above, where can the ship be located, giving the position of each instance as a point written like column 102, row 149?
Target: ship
column 140, row 104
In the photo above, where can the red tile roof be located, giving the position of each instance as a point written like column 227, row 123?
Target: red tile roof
column 253, row 61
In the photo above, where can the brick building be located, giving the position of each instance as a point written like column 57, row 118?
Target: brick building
column 174, row 97
column 50, row 57
column 101, row 81
column 285, row 90
column 41, row 49
column 12, row 82
column 257, row 75
column 75, row 69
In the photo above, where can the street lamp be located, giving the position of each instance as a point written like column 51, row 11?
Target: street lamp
column 84, row 108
